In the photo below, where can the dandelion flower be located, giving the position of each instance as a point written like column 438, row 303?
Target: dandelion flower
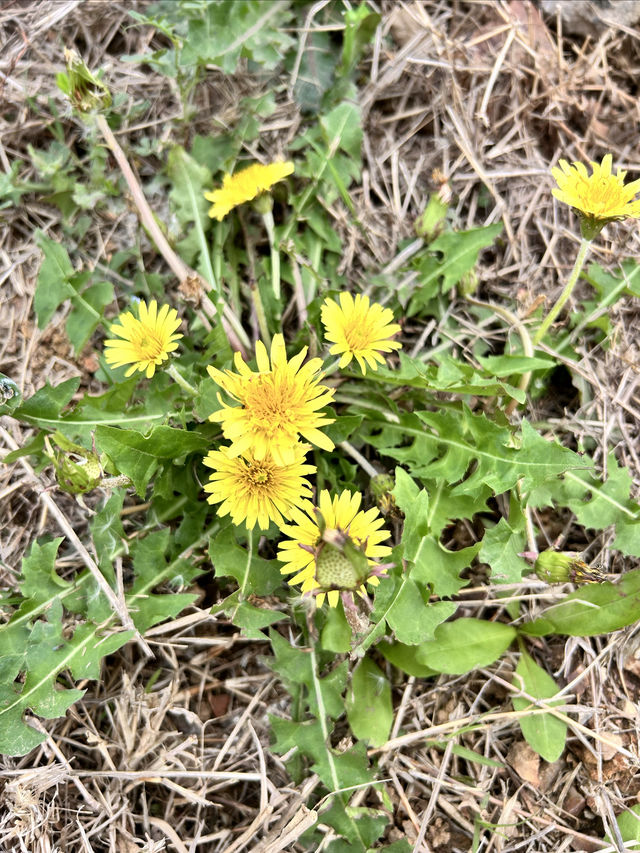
column 600, row 197
column 144, row 341
column 358, row 328
column 278, row 403
column 257, row 491
column 246, row 185
column 336, row 550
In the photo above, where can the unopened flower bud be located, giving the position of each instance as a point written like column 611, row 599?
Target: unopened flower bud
column 562, row 566
column 85, row 90
column 77, row 470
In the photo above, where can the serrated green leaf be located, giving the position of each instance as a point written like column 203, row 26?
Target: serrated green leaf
column 48, row 652
column 449, row 375
column 138, row 456
column 410, row 615
column 254, row 575
column 53, row 283
column 360, row 827
column 368, row 703
column 296, row 666
column 501, row 546
column 465, row 645
column 47, row 403
column 458, row 253
column 544, row 733
column 591, row 610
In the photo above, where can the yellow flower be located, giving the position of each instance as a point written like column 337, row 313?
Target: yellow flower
column 600, row 197
column 253, row 490
column 277, row 404
column 146, row 340
column 337, row 552
column 245, row 185
column 359, row 329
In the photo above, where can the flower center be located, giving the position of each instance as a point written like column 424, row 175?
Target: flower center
column 148, row 344
column 359, row 338
column 258, row 476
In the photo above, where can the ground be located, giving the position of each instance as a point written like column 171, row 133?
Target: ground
column 477, row 99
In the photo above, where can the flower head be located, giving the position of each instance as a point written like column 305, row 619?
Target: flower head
column 600, row 197
column 143, row 341
column 359, row 329
column 245, row 185
column 336, row 549
column 253, row 490
column 277, row 404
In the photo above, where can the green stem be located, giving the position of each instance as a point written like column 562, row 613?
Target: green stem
column 172, row 370
column 566, row 293
column 269, row 224
column 114, row 482
column 261, row 316
column 322, row 718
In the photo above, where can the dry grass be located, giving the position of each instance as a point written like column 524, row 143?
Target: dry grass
column 484, row 93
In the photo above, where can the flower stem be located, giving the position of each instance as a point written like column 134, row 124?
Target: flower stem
column 269, row 224
column 173, row 372
column 115, row 482
column 261, row 316
column 566, row 293
column 366, row 466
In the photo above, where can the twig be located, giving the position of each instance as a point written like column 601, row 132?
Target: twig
column 181, row 270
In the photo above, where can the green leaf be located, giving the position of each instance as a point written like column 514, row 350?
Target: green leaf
column 544, row 733
column 295, row 666
column 48, row 652
column 459, row 441
column 368, row 703
column 458, row 254
column 410, row 615
column 138, row 456
column 336, row 632
column 53, row 283
column 514, row 365
column 47, row 403
column 87, row 312
column 629, row 825
column 449, row 374
column 405, row 659
column 433, row 564
column 151, row 569
column 591, row 610
column 466, row 644
column 252, row 619
column 255, row 576
column 358, row 826
column 502, row 544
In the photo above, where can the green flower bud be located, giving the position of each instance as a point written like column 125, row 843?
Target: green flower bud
column 382, row 486
column 85, row 90
column 431, row 221
column 77, row 470
column 468, row 283
column 562, row 566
